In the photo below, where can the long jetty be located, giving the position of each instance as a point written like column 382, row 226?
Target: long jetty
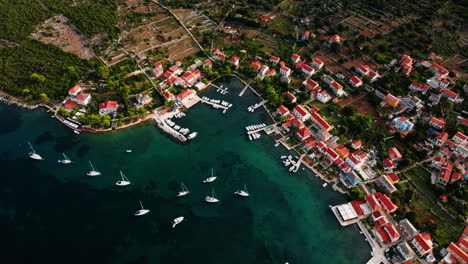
column 214, row 104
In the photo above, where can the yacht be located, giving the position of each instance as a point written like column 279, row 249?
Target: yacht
column 324, row 185
column 242, row 193
column 65, row 159
column 93, row 171
column 212, row 198
column 76, row 132
column 124, row 182
column 192, row 135
column 177, row 221
column 184, row 190
column 210, row 179
column 142, row 211
column 33, row 154
column 128, row 151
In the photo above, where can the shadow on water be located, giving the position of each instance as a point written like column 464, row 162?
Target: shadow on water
column 13, row 119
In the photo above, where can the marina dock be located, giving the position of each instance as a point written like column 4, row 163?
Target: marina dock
column 214, row 104
column 245, row 89
column 160, row 121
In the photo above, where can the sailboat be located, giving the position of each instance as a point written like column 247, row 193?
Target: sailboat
column 211, row 199
column 33, row 154
column 65, row 159
column 124, row 182
column 210, row 179
column 93, row 171
column 243, row 193
column 177, row 221
column 184, row 191
column 128, row 151
column 142, row 211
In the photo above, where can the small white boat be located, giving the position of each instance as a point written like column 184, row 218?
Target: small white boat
column 242, row 193
column 212, row 198
column 142, row 211
column 192, row 135
column 250, row 137
column 65, row 159
column 324, row 185
column 33, row 154
column 210, row 179
column 76, row 132
column 124, row 182
column 176, row 127
column 177, row 221
column 93, row 171
column 128, row 151
column 184, row 191
column 277, row 144
column 283, row 157
column 291, row 168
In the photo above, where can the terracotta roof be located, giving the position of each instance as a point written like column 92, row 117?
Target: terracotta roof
column 420, row 86
column 295, row 57
column 308, row 68
column 424, row 240
column 388, row 163
column 69, row 104
column 301, row 110
column 234, row 59
column 460, row 136
column 298, row 123
column 450, row 94
column 393, row 177
column 82, row 96
column 284, row 68
column 255, row 64
column 319, row 119
column 336, row 85
column 386, row 202
column 317, row 61
column 356, row 144
column 274, row 58
column 207, row 63
column 283, row 110
column 332, row 153
column 456, row 176
column 108, row 104
column 438, row 121
column 168, row 94
column 356, row 205
column 157, row 64
column 394, row 153
column 355, row 80
column 185, row 93
column 75, row 89
column 460, row 253
column 304, row 132
column 364, row 68
column 373, row 202
column 384, row 235
column 391, row 230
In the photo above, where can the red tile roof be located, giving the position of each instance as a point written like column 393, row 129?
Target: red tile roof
column 394, row 153
column 255, row 64
column 388, row 163
column 234, row 59
column 108, row 104
column 421, row 86
column 391, row 230
column 356, row 205
column 380, row 222
column 319, row 119
column 438, row 121
column 461, row 255
column 184, row 94
column 460, row 136
column 168, row 94
column 456, row 176
column 355, row 80
column 298, row 123
column 283, row 110
column 208, row 63
column 451, row 94
column 304, row 132
column 301, row 110
column 157, row 64
column 387, row 203
column 69, row 104
column 318, row 61
column 274, row 58
column 332, row 154
column 315, row 109
column 373, row 202
column 75, row 89
column 307, row 68
column 364, row 68
column 284, row 68
column 336, row 85
column 424, row 240
column 393, row 177
column 384, row 235
column 295, row 57
column 356, row 144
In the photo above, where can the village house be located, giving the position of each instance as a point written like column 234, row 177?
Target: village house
column 342, row 151
column 218, row 55
column 356, row 159
column 406, row 64
column 285, row 71
column 437, row 83
column 107, row 107
column 386, row 183
column 417, row 87
column 355, row 81
column 234, row 60
column 403, row 123
column 422, row 243
column 295, row 58
column 357, row 144
column 75, row 90
column 290, row 97
column 460, row 138
column 208, row 64
column 282, row 110
column 335, row 39
column 317, row 63
column 184, row 96
column 274, row 60
column 82, row 99
column 337, row 88
column 320, row 122
column 305, row 35
column 352, row 178
column 301, row 113
column 444, row 174
column 256, row 65
column 391, row 100
column 437, row 162
column 450, row 95
column 69, row 105
column 388, row 164
column 189, row 77
column 311, row 84
column 404, row 251
column 263, row 71
column 394, row 154
column 407, row 228
column 438, row 123
column 441, row 138
column 169, row 96
column 303, row 133
column 439, row 71
column 363, row 69
column 307, row 70
column 323, row 96
column 373, row 76
column 142, row 100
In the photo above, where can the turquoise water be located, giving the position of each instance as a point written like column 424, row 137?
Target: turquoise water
column 52, row 213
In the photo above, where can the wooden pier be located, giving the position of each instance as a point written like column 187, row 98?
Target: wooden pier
column 214, row 104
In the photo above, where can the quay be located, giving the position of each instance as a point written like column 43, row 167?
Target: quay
column 268, row 130
column 214, row 104
column 160, row 121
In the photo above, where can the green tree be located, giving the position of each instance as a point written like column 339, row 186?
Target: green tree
column 44, row 97
column 356, row 194
column 38, row 77
column 103, row 72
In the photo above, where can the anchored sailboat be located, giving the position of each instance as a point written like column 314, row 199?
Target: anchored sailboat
column 33, row 154
column 212, row 198
column 124, row 182
column 93, row 171
column 177, row 221
column 184, row 191
column 142, row 211
column 65, row 159
column 243, row 193
column 210, row 179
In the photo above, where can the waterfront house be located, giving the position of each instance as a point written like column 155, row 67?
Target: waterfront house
column 75, row 90
column 317, row 63
column 282, row 110
column 460, row 138
column 295, row 58
column 82, row 99
column 311, row 84
column 357, row 144
column 355, row 81
column 444, row 174
column 363, row 69
column 337, row 88
column 285, row 71
column 189, row 77
column 403, row 123
column 290, row 97
column 323, row 96
column 69, row 104
column 450, row 95
column 303, row 133
column 301, row 113
column 274, row 60
column 309, row 143
column 388, row 164
column 321, row 122
column 417, row 87
column 307, row 70
column 169, row 96
column 438, row 123
column 352, row 178
column 234, row 60
column 422, row 243
column 184, row 96
column 394, row 154
column 107, row 107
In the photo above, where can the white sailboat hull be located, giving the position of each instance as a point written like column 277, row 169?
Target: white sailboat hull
column 242, row 193
column 122, row 183
column 210, row 199
column 177, row 221
column 64, row 161
column 93, row 173
column 210, row 179
column 182, row 193
column 35, row 156
column 141, row 212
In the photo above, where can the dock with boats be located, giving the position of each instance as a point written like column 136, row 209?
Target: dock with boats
column 255, row 106
column 216, row 103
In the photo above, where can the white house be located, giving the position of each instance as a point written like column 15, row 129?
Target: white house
column 82, row 98
column 107, row 107
column 308, row 70
column 355, row 81
column 295, row 58
column 323, row 96
column 75, row 90
column 301, row 113
column 317, row 63
column 285, row 71
column 185, row 96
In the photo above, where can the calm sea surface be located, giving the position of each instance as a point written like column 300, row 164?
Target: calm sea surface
column 52, row 213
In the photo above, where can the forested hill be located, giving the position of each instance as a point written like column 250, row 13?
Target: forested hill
column 34, row 70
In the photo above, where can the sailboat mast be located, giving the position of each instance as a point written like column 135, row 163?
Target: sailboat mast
column 141, row 205
column 31, row 146
column 91, row 164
